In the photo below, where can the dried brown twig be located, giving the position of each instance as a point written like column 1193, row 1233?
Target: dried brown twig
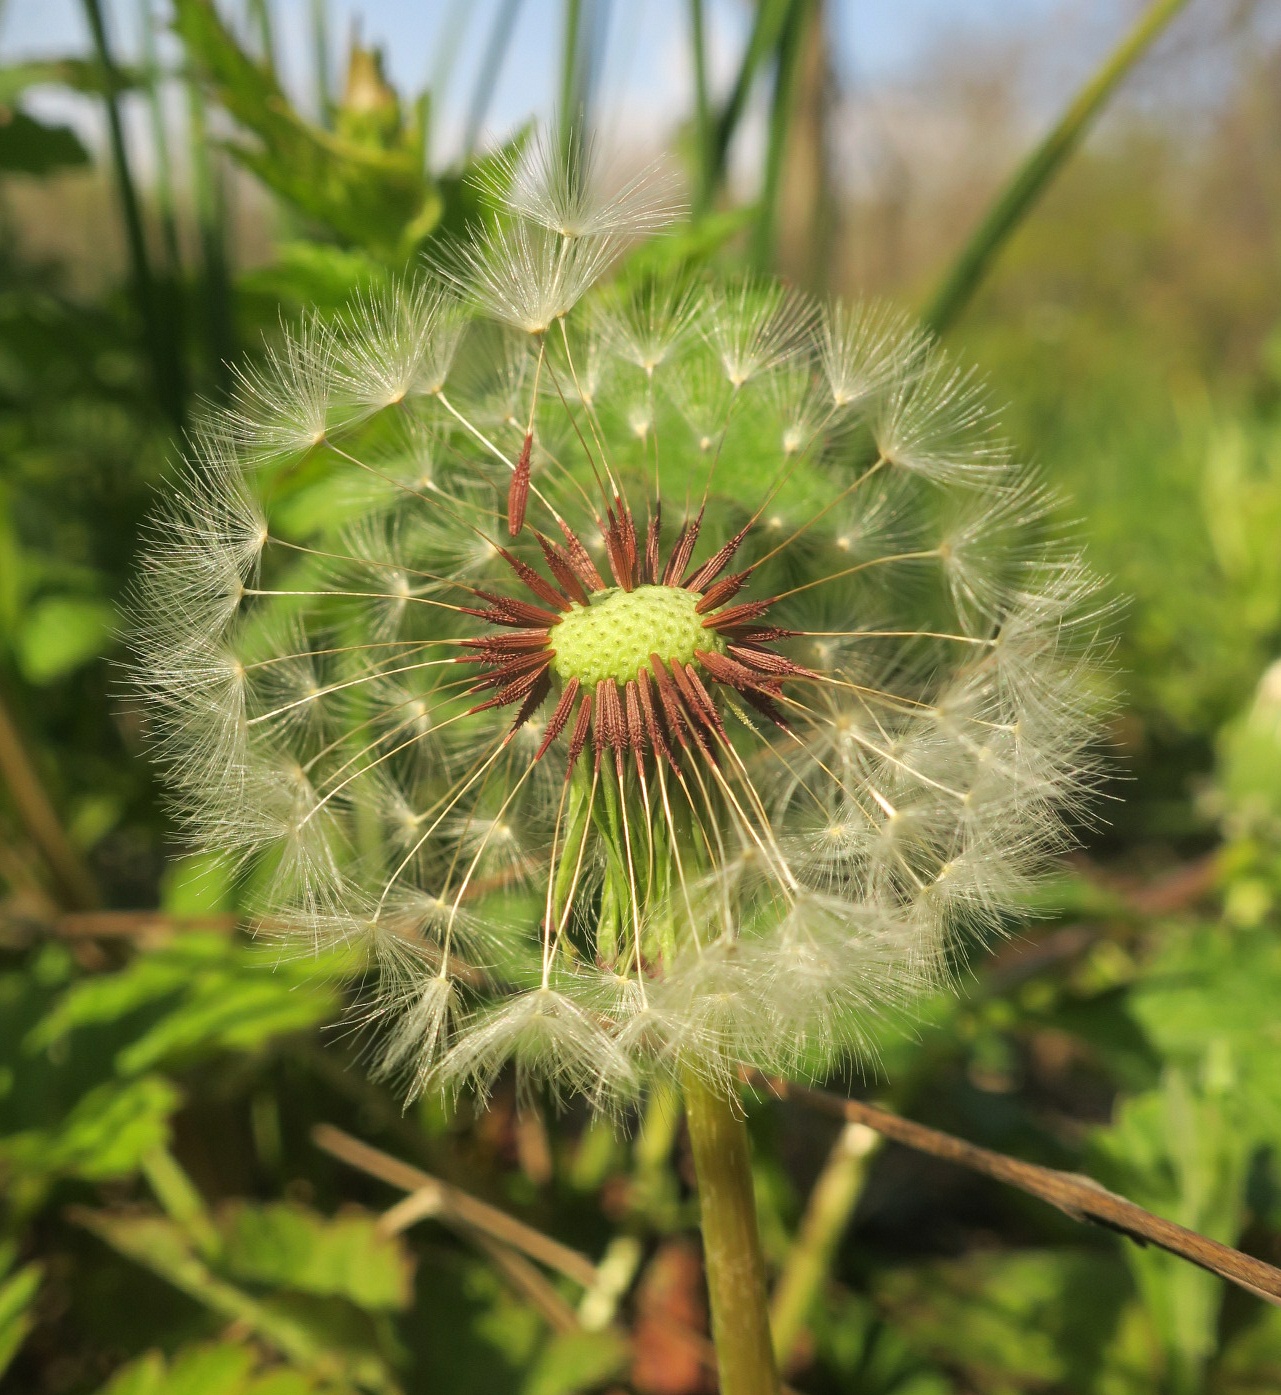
column 429, row 1196
column 1075, row 1195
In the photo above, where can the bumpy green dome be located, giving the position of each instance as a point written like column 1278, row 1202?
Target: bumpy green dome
column 616, row 632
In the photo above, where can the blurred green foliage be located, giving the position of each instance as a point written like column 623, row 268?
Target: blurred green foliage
column 167, row 1224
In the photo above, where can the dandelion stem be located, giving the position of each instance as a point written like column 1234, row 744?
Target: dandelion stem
column 731, row 1243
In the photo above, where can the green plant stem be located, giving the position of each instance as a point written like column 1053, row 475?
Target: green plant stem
column 258, row 13
column 160, row 140
column 319, row 15
column 771, row 17
column 703, row 130
column 1032, row 177
column 827, row 1213
column 782, row 107
column 211, row 220
column 180, row 1200
column 166, row 362
column 571, row 83
column 73, row 882
column 487, row 77
column 731, row 1242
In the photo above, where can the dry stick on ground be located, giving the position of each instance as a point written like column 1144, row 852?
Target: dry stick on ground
column 1075, row 1195
column 429, row 1196
column 432, row 1197
column 143, row 925
column 497, row 1233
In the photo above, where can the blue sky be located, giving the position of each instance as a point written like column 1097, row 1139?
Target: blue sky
column 646, row 79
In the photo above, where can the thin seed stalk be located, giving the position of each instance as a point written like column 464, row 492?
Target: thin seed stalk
column 731, row 1242
column 827, row 1215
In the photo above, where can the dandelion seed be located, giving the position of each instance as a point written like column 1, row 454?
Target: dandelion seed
column 569, row 194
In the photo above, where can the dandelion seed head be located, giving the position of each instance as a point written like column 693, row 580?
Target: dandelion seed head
column 647, row 679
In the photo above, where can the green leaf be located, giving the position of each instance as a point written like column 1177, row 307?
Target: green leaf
column 307, row 276
column 28, row 146
column 1211, row 994
column 17, row 1298
column 228, row 996
column 233, row 1014
column 326, row 1341
column 371, row 196
column 60, row 633
column 108, row 997
column 286, row 1246
column 1250, row 1364
column 201, row 884
column 687, row 246
column 1011, row 1321
column 105, row 1134
column 146, row 1376
column 79, row 74
column 224, row 1369
column 1178, row 1150
column 574, row 1361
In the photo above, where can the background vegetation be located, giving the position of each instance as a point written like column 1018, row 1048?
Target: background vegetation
column 186, row 1207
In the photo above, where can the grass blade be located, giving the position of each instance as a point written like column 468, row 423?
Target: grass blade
column 487, row 78
column 163, row 352
column 799, row 14
column 771, row 16
column 703, row 131
column 1032, row 177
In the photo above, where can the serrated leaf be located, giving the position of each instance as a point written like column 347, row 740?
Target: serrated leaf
column 105, row 1135
column 372, row 197
column 308, row 276
column 225, row 1369
column 145, row 1376
column 1215, row 990
column 107, row 997
column 227, row 996
column 232, row 1014
column 329, row 1343
column 1011, row 1321
column 286, row 1246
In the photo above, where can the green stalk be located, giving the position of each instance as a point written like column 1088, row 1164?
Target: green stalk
column 180, row 1200
column 781, row 109
column 573, row 116
column 164, row 353
column 702, row 104
column 487, row 78
column 258, row 13
column 827, row 1213
column 160, row 139
column 1018, row 196
column 731, row 1242
column 771, row 16
column 211, row 221
column 320, row 61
